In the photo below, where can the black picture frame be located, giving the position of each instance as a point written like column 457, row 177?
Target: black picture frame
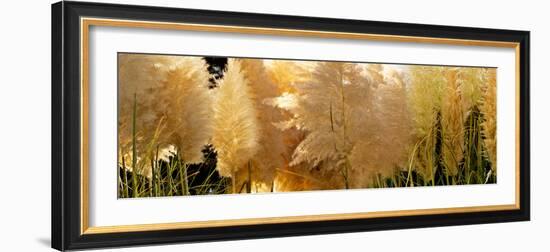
column 66, row 125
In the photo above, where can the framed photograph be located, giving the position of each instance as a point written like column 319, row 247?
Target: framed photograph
column 181, row 125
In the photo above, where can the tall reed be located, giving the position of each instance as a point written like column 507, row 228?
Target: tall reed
column 452, row 123
column 427, row 86
column 489, row 111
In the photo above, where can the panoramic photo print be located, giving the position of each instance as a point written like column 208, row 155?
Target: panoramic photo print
column 203, row 125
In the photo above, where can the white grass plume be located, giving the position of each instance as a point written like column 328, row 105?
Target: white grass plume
column 236, row 125
column 328, row 107
column 268, row 157
column 382, row 141
column 174, row 106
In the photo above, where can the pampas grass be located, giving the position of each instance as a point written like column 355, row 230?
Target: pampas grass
column 473, row 83
column 285, row 74
column 379, row 149
column 427, row 86
column 367, row 100
column 489, row 111
column 328, row 106
column 235, row 120
column 446, row 103
column 172, row 103
column 269, row 155
column 452, row 122
column 258, row 125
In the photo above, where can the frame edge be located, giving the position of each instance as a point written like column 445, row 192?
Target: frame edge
column 525, row 125
column 57, row 128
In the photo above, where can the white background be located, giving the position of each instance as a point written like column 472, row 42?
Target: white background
column 25, row 125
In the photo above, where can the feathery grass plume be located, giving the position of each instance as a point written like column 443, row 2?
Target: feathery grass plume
column 449, row 144
column 299, row 177
column 302, row 177
column 452, row 122
column 268, row 157
column 473, row 84
column 328, row 107
column 173, row 103
column 285, row 73
column 375, row 73
column 427, row 86
column 235, row 122
column 381, row 144
column 489, row 111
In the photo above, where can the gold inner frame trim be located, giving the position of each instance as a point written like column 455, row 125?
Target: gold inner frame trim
column 86, row 23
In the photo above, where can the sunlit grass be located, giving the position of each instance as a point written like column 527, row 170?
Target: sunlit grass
column 327, row 126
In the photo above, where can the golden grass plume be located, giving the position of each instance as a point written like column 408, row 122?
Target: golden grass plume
column 235, row 120
column 489, row 111
column 173, row 106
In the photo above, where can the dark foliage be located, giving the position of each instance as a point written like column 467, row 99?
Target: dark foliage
column 216, row 68
column 203, row 178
